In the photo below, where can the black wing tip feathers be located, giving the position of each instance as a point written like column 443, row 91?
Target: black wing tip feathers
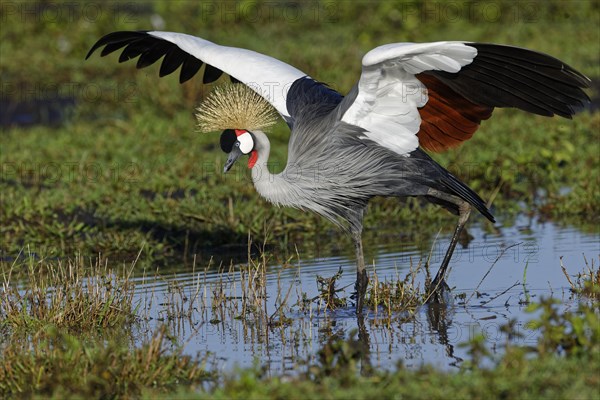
column 113, row 37
column 532, row 81
column 150, row 49
column 535, row 57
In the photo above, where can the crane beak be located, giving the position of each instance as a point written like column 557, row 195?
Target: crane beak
column 233, row 156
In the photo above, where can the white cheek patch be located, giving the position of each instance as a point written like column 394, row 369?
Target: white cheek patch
column 246, row 142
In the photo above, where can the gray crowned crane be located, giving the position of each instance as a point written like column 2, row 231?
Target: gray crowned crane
column 344, row 150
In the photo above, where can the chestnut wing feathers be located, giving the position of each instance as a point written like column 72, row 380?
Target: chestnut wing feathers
column 499, row 76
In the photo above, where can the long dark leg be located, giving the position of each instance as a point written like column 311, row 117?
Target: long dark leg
column 362, row 279
column 464, row 210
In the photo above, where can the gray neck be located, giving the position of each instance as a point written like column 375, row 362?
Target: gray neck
column 273, row 187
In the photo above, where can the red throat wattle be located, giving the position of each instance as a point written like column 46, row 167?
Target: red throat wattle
column 253, row 158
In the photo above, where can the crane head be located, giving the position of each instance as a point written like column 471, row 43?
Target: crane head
column 237, row 142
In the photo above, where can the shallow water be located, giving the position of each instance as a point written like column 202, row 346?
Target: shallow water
column 430, row 337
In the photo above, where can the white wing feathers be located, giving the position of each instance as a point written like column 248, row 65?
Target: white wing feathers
column 266, row 75
column 389, row 94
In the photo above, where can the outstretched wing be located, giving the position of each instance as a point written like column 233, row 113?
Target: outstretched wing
column 436, row 94
column 266, row 75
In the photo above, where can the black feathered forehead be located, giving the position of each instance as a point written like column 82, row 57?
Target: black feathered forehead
column 228, row 138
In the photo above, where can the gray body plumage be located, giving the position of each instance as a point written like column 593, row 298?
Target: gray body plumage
column 334, row 171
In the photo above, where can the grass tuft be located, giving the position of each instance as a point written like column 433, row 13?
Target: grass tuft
column 76, row 294
column 587, row 282
column 396, row 295
column 64, row 365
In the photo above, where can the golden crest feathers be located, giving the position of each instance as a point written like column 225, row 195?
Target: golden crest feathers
column 235, row 106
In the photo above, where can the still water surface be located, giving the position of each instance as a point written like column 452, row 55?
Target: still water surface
column 427, row 338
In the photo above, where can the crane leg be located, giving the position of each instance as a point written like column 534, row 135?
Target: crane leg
column 438, row 285
column 362, row 279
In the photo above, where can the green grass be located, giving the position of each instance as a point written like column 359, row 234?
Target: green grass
column 60, row 365
column 91, row 196
column 514, row 378
column 76, row 295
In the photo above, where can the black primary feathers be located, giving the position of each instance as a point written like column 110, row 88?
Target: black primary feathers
column 150, row 49
column 506, row 76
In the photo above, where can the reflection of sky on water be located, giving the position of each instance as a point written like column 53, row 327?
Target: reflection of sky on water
column 538, row 246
